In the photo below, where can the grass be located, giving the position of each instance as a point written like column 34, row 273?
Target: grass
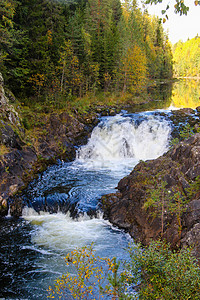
column 33, row 112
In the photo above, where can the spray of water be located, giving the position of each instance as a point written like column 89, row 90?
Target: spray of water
column 116, row 142
column 119, row 139
column 115, row 147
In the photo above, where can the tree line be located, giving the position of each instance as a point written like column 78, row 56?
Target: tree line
column 187, row 58
column 57, row 48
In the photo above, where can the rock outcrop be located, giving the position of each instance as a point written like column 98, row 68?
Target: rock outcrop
column 178, row 168
column 22, row 157
column 3, row 99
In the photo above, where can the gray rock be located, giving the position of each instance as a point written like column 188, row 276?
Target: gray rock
column 192, row 239
column 3, row 99
column 125, row 209
column 192, row 215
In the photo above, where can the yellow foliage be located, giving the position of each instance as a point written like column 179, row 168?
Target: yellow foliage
column 3, row 149
column 134, row 67
column 7, row 11
column 187, row 58
column 89, row 277
column 49, row 36
column 186, row 94
column 38, row 81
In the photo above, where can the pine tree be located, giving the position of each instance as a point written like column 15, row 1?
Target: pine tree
column 7, row 10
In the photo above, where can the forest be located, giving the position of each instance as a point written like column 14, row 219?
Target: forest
column 187, row 58
column 53, row 50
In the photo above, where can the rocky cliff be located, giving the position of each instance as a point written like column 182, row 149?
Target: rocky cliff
column 24, row 154
column 179, row 169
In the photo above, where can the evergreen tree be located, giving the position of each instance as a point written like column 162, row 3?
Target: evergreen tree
column 54, row 48
column 7, row 9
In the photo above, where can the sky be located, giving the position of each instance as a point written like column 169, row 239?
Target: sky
column 179, row 27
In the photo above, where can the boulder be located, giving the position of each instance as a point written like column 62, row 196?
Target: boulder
column 178, row 167
column 57, row 137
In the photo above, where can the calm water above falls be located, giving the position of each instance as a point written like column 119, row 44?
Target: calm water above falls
column 33, row 247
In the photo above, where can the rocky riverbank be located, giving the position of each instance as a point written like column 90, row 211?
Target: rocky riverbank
column 179, row 168
column 25, row 151
column 24, row 155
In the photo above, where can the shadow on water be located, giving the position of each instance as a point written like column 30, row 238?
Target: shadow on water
column 160, row 96
column 161, row 92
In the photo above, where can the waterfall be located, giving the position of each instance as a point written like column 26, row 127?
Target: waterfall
column 63, row 203
column 116, row 145
column 119, row 139
column 59, row 231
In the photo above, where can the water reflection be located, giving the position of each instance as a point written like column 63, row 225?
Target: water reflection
column 161, row 93
column 186, row 93
column 182, row 93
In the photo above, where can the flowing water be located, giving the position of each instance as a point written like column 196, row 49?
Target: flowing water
column 62, row 209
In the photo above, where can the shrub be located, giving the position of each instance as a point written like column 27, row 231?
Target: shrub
column 160, row 273
column 90, row 277
column 154, row 272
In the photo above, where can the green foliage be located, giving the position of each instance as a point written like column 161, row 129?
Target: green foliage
column 162, row 202
column 26, row 123
column 157, row 200
column 7, row 9
column 177, row 205
column 184, row 134
column 90, row 277
column 160, row 273
column 194, row 189
column 153, row 272
column 174, row 142
column 55, row 50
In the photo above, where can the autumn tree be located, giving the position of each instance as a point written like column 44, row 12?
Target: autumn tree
column 71, row 75
column 131, row 66
column 64, row 48
column 153, row 272
column 93, row 277
column 187, row 58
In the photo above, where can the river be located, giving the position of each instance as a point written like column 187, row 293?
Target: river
column 62, row 207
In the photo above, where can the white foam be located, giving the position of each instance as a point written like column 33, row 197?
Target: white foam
column 59, row 231
column 120, row 141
